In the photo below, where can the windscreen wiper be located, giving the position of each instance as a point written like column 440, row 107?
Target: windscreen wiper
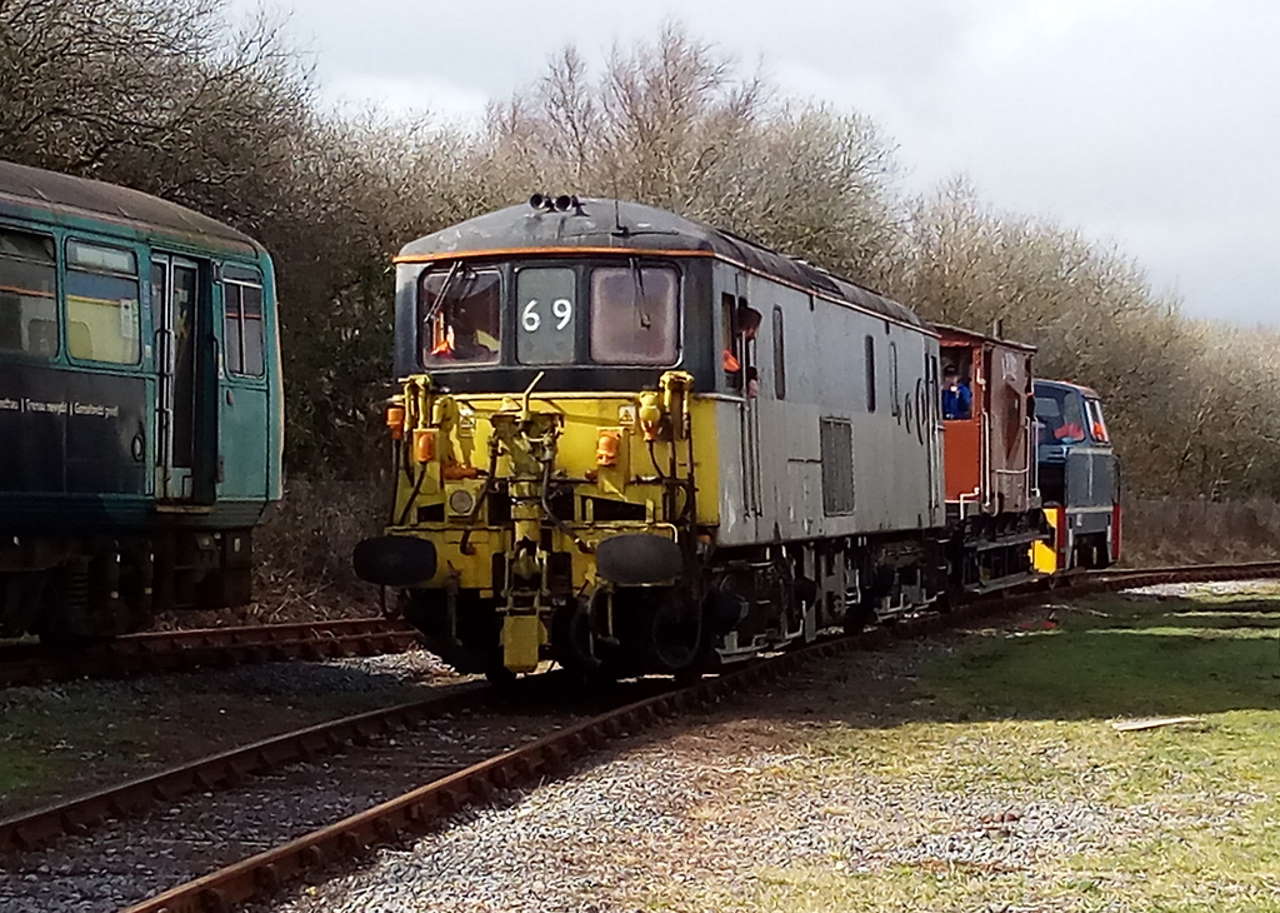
column 444, row 290
column 637, row 276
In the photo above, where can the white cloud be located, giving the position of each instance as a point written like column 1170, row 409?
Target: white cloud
column 1151, row 122
column 407, row 95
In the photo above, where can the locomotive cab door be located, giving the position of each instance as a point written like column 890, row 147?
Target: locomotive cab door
column 747, row 321
column 175, row 298
column 741, row 491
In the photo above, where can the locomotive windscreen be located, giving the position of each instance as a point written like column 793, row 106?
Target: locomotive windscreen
column 578, row 312
column 458, row 315
column 633, row 315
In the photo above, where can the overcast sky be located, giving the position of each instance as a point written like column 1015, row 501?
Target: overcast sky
column 1152, row 124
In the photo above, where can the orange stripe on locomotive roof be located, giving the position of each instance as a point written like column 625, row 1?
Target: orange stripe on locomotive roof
column 925, row 328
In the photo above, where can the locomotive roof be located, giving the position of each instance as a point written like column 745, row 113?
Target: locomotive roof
column 1087, row 391
column 617, row 226
column 61, row 194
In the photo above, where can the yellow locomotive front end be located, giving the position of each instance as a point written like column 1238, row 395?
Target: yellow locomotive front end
column 529, row 527
column 552, row 468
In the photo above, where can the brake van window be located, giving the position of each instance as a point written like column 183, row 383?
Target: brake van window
column 633, row 315
column 102, row 304
column 458, row 319
column 28, row 306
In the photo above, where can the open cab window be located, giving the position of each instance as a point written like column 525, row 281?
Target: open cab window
column 458, row 315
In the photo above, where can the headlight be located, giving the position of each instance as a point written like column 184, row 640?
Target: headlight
column 461, row 502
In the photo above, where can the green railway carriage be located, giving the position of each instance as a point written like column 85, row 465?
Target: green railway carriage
column 140, row 406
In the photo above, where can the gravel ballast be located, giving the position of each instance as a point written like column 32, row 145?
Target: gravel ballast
column 702, row 815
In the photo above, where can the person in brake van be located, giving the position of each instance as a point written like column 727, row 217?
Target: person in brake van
column 957, row 398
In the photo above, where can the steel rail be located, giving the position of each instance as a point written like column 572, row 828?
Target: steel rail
column 29, row 830
column 167, row 651
column 425, row 807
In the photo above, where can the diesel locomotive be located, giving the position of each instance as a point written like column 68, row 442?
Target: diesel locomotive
column 629, row 443
column 140, row 406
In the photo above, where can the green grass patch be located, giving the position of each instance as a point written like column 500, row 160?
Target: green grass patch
column 1024, row 715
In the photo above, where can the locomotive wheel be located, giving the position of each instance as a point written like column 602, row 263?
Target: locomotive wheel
column 858, row 618
column 499, row 675
column 677, row 635
column 690, row 675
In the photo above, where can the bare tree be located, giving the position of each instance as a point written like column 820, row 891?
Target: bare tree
column 169, row 97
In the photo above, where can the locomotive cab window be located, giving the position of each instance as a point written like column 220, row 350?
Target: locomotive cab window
column 458, row 315
column 102, row 304
column 28, row 302
column 1060, row 416
column 1097, row 424
column 546, row 319
column 634, row 315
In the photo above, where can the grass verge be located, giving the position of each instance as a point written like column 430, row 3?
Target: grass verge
column 994, row 780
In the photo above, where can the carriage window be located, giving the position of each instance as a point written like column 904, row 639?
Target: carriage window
column 779, row 357
column 633, row 315
column 546, row 302
column 242, row 328
column 28, row 306
column 458, row 319
column 871, row 373
column 102, row 304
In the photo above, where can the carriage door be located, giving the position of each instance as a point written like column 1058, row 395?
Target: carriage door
column 175, row 285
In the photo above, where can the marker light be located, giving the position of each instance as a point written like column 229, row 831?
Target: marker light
column 395, row 421
column 424, row 445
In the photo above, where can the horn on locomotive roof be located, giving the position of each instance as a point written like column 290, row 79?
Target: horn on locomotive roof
column 562, row 203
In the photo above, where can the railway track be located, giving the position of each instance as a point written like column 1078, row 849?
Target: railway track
column 471, row 749
column 169, row 651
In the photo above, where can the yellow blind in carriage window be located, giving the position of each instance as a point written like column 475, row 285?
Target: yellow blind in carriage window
column 103, row 329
